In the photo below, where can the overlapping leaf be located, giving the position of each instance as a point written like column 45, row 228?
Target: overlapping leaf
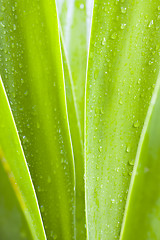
column 11, row 215
column 75, row 20
column 123, row 68
column 31, row 69
column 143, row 205
column 77, row 144
column 14, row 163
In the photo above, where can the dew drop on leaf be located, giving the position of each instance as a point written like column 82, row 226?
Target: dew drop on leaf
column 114, row 35
column 112, row 200
column 120, row 102
column 42, row 208
column 100, row 149
column 82, row 6
column 26, row 93
column 123, row 25
column 123, row 9
column 131, row 162
column 103, row 41
column 14, row 27
column 136, row 124
column 150, row 24
column 128, row 149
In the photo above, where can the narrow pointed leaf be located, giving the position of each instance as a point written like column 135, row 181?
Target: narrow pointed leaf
column 73, row 19
column 11, row 214
column 123, row 68
column 31, row 69
column 143, row 204
column 77, row 144
column 13, row 160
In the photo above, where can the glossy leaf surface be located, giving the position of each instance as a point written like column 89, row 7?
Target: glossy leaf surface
column 143, row 203
column 122, row 71
column 77, row 144
column 73, row 19
column 31, row 69
column 14, row 163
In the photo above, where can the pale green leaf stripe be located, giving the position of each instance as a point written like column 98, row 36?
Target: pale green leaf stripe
column 143, row 203
column 11, row 214
column 123, row 67
column 32, row 73
column 13, row 160
column 77, row 144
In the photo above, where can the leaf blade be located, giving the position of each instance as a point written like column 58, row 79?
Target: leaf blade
column 21, row 183
column 142, row 207
column 117, row 100
column 34, row 82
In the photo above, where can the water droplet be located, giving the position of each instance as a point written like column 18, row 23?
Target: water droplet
column 13, row 8
column 25, row 140
column 12, row 45
column 114, row 35
column 14, row 27
column 100, row 149
column 103, row 41
column 2, row 25
column 120, row 102
column 101, row 111
column 42, row 208
column 26, row 93
column 123, row 25
column 150, row 62
column 97, row 166
column 131, row 162
column 150, row 24
column 128, row 149
column 158, row 8
column 20, row 65
column 112, row 200
column 136, row 124
column 130, row 173
column 82, row 6
column 139, row 81
column 123, row 9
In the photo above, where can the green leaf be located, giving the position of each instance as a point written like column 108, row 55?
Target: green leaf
column 123, row 68
column 11, row 155
column 31, row 69
column 12, row 216
column 143, row 203
column 77, row 144
column 73, row 20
